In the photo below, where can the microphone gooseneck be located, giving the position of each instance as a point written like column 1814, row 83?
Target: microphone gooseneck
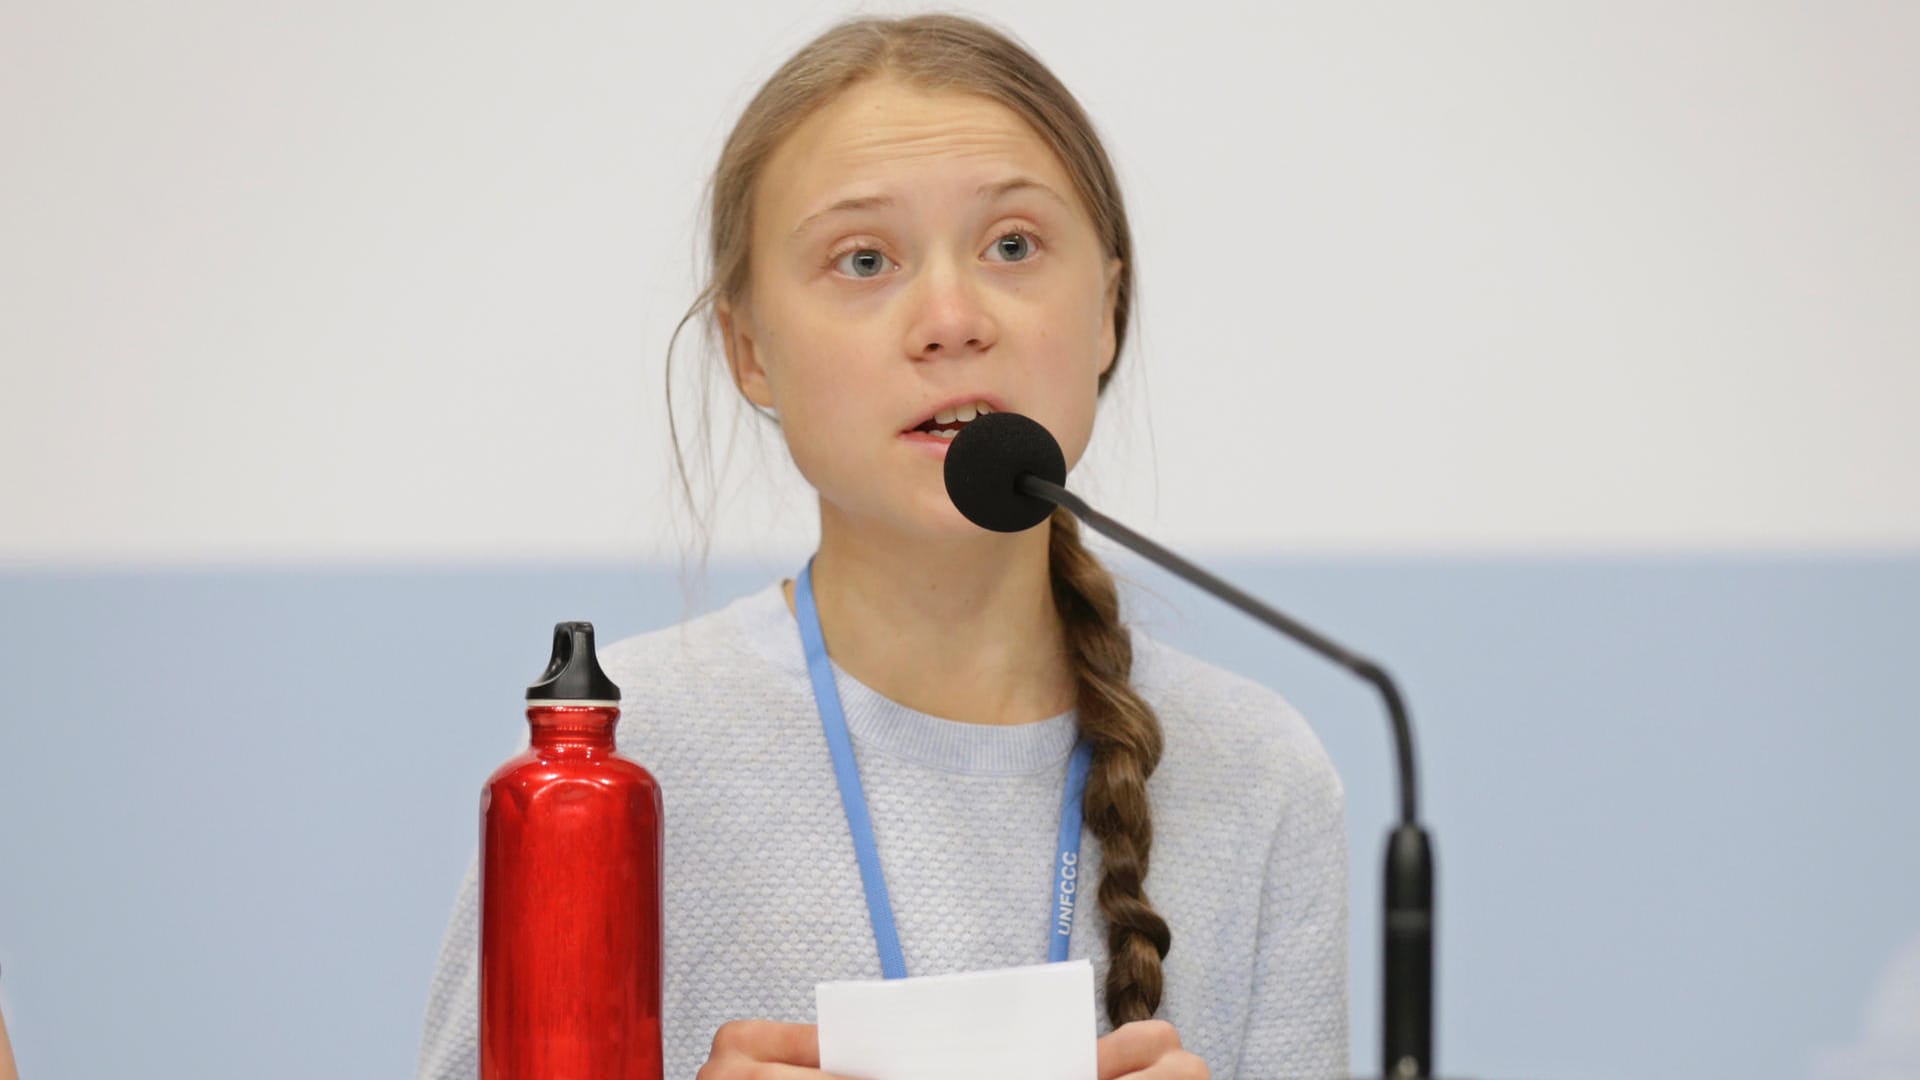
column 1005, row 472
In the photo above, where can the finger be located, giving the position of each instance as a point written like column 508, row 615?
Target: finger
column 1174, row 1065
column 769, row 1041
column 1183, row 1065
column 1132, row 1047
column 740, row 1068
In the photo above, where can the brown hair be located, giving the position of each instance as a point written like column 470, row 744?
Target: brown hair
column 950, row 53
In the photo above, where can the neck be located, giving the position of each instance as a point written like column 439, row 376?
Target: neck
column 962, row 629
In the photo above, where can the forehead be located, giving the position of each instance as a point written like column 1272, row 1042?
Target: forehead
column 883, row 134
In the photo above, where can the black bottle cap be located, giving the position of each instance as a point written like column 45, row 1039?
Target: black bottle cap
column 574, row 672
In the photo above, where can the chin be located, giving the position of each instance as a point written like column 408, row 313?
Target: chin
column 924, row 516
column 935, row 517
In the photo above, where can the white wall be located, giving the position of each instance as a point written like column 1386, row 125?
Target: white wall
column 359, row 280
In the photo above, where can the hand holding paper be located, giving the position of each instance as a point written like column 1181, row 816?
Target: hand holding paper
column 745, row 1048
column 1148, row 1050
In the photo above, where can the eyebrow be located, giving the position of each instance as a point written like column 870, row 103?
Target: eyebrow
column 987, row 192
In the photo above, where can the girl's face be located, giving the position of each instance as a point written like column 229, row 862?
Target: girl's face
column 915, row 253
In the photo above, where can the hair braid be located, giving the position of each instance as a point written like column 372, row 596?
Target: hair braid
column 1126, row 749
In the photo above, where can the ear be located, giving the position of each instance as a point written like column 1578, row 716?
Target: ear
column 1109, row 336
column 743, row 354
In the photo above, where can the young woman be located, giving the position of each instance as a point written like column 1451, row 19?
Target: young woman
column 913, row 223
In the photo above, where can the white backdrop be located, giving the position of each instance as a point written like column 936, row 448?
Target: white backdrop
column 356, row 281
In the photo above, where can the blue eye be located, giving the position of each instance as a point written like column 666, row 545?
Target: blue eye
column 1016, row 246
column 862, row 263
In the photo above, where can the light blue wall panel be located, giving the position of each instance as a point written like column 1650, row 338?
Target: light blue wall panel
column 1673, row 798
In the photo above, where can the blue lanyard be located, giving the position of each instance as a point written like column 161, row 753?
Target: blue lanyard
column 1066, row 865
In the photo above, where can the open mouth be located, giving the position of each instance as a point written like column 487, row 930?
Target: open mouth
column 947, row 423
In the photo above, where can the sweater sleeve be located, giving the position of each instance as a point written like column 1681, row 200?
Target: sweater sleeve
column 450, row 1041
column 1297, row 1020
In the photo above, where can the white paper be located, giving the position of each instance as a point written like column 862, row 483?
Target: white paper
column 1024, row 1023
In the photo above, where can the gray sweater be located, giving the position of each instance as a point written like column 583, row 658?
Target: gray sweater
column 763, row 896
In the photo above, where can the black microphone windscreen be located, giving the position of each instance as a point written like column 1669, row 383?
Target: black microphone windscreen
column 984, row 465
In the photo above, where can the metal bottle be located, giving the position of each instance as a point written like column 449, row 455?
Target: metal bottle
column 570, row 900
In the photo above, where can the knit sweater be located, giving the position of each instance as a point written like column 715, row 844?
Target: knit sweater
column 764, row 898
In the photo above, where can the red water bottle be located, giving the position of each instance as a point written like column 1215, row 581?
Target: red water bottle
column 570, row 897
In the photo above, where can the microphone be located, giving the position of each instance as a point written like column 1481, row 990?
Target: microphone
column 1005, row 472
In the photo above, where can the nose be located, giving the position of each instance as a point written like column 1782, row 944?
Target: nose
column 951, row 317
